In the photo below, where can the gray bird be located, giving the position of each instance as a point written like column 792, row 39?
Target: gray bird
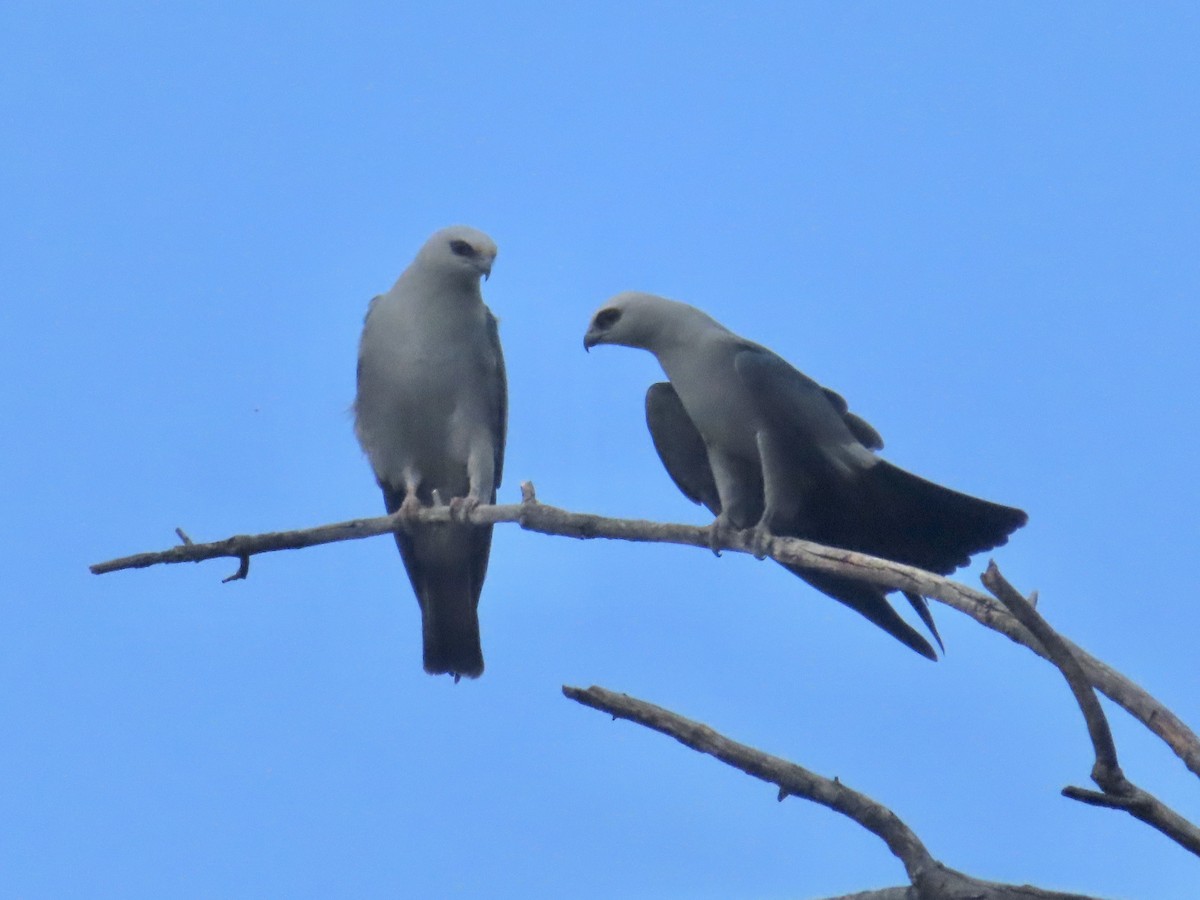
column 766, row 447
column 431, row 415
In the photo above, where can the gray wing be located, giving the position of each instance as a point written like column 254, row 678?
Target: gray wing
column 858, row 426
column 876, row 508
column 850, row 500
column 680, row 446
column 682, row 451
column 359, row 367
column 815, row 426
column 499, row 398
column 799, row 407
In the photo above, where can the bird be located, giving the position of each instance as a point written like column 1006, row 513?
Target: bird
column 431, row 414
column 765, row 447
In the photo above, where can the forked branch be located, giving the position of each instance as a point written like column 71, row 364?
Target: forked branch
column 1118, row 791
column 534, row 516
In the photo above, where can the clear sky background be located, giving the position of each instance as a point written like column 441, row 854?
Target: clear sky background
column 980, row 223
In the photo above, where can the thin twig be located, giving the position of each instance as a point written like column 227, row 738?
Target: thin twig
column 243, row 569
column 1107, row 768
column 1119, row 791
column 1092, row 798
column 534, row 516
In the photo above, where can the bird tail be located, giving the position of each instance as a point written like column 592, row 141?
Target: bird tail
column 446, row 565
column 449, row 625
column 891, row 513
column 923, row 524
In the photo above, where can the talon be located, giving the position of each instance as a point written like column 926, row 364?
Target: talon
column 716, row 534
column 760, row 541
column 714, row 539
column 461, row 507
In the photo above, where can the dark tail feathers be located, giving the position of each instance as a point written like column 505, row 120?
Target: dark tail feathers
column 450, row 626
column 914, row 521
column 893, row 514
column 446, row 565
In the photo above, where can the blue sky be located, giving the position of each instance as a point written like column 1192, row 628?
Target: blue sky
column 977, row 222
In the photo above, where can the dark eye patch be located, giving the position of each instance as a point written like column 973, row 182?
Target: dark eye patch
column 462, row 248
column 606, row 318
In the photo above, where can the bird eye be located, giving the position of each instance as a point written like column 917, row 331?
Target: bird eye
column 462, row 248
column 606, row 318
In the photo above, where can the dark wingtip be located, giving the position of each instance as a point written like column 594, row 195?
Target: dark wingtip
column 906, row 634
column 926, row 651
column 922, row 610
column 913, row 641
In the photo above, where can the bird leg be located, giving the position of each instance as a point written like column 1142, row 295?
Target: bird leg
column 411, row 505
column 481, row 479
column 409, row 508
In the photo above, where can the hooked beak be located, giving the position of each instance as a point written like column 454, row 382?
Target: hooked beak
column 485, row 265
column 590, row 340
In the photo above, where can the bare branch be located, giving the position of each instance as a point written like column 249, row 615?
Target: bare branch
column 931, row 880
column 1092, row 798
column 243, row 569
column 534, row 516
column 1119, row 792
column 789, row 777
column 1064, row 660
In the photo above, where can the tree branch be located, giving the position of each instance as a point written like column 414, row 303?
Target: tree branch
column 534, row 516
column 1119, row 792
column 931, row 880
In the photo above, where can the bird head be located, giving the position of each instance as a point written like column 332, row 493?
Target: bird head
column 460, row 250
column 632, row 319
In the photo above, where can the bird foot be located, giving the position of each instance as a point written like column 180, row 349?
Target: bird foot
column 760, row 541
column 718, row 531
column 410, row 508
column 462, row 507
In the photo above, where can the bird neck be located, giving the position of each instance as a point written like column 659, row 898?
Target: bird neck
column 684, row 332
column 457, row 290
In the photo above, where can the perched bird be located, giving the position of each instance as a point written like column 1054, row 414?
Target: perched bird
column 766, row 447
column 431, row 415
